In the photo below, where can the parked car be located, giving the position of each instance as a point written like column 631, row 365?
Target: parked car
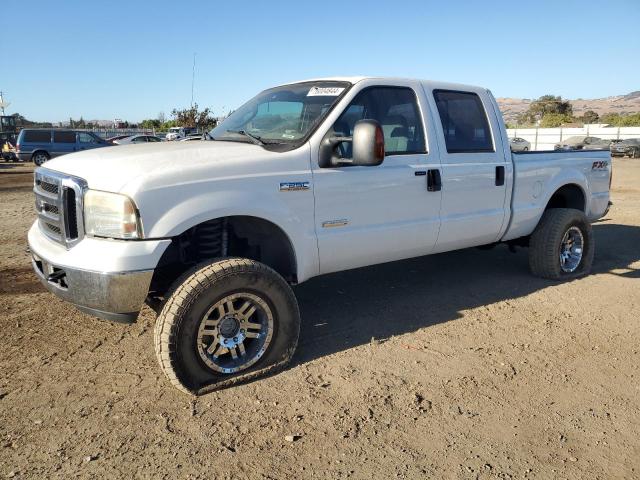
column 176, row 133
column 117, row 137
column 518, row 144
column 623, row 148
column 137, row 139
column 599, row 144
column 576, row 143
column 40, row 145
column 192, row 137
column 305, row 179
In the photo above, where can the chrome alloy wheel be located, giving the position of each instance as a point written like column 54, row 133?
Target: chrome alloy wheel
column 571, row 248
column 235, row 332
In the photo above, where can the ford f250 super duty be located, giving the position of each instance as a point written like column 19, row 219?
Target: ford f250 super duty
column 304, row 179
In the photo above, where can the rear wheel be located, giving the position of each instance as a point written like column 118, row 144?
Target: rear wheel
column 224, row 323
column 561, row 247
column 40, row 157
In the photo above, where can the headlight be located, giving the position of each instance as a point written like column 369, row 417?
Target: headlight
column 110, row 215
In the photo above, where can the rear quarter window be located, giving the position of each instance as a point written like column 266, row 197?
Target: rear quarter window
column 464, row 122
column 37, row 136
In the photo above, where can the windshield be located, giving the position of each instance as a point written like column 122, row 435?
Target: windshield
column 281, row 115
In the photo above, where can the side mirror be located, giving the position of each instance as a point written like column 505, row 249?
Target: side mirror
column 368, row 143
column 368, row 147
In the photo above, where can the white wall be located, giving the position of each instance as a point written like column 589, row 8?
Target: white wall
column 546, row 138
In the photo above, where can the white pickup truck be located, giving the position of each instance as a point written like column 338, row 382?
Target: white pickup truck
column 304, row 179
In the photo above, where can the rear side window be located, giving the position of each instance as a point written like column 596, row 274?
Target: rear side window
column 464, row 122
column 64, row 137
column 37, row 136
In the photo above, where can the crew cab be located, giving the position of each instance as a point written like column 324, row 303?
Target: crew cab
column 304, row 179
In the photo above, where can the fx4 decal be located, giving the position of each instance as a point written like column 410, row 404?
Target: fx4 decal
column 601, row 165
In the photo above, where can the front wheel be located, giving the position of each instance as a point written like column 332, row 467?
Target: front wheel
column 561, row 247
column 224, row 323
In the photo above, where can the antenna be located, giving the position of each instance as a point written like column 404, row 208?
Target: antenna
column 193, row 76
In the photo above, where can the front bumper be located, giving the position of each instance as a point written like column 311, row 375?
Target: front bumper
column 106, row 278
column 115, row 296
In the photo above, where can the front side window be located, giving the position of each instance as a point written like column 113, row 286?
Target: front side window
column 464, row 122
column 283, row 115
column 396, row 109
column 84, row 137
column 64, row 137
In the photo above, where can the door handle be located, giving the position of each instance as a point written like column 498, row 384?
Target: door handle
column 434, row 182
column 499, row 176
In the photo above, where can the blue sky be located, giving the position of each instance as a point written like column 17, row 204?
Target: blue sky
column 133, row 59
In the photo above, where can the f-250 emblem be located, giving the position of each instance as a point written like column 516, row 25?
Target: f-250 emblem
column 601, row 165
column 293, row 186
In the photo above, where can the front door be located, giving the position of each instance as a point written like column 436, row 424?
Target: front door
column 368, row 215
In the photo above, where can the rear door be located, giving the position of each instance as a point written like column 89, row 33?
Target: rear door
column 474, row 170
column 368, row 215
column 64, row 141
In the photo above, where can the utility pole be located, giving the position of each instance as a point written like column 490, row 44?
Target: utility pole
column 193, row 77
column 3, row 103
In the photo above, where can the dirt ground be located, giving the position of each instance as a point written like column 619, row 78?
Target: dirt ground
column 459, row 365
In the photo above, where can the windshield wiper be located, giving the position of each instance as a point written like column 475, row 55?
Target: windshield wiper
column 256, row 139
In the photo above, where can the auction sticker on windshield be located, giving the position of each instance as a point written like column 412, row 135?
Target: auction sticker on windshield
column 325, row 91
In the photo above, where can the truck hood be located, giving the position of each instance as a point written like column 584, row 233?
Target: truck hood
column 124, row 168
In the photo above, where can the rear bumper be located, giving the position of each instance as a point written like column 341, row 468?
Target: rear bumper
column 24, row 156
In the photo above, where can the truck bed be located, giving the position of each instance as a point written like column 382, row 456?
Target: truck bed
column 537, row 175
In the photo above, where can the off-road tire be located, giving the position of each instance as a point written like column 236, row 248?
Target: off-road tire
column 545, row 241
column 193, row 294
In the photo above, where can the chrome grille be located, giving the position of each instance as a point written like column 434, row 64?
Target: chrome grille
column 59, row 205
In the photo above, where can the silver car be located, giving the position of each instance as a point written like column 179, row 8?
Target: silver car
column 577, row 142
column 518, row 144
column 599, row 144
column 137, row 139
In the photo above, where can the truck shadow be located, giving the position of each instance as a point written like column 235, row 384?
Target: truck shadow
column 347, row 309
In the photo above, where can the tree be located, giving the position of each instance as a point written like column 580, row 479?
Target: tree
column 161, row 118
column 617, row 120
column 545, row 105
column 151, row 124
column 590, row 117
column 192, row 117
column 554, row 120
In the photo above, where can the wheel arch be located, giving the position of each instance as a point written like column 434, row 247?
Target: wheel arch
column 245, row 236
column 40, row 150
column 569, row 195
